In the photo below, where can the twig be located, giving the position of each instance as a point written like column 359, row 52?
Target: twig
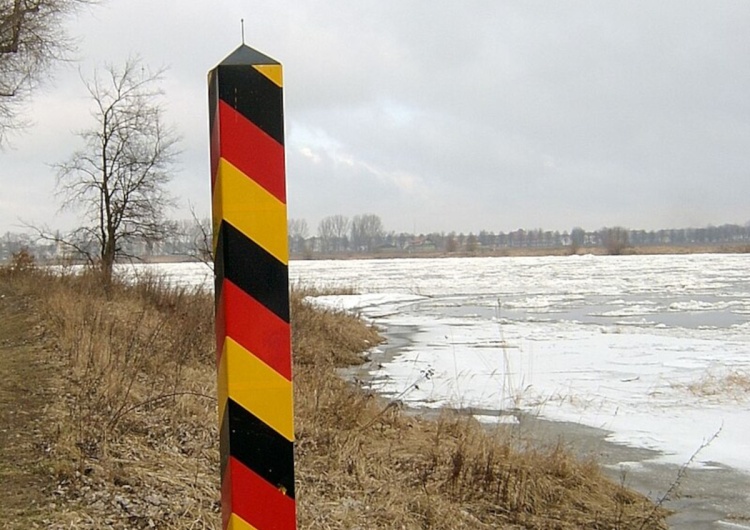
column 680, row 475
column 426, row 375
column 151, row 401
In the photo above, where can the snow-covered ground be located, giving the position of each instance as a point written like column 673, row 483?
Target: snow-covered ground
column 654, row 349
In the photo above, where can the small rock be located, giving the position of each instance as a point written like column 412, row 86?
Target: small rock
column 156, row 500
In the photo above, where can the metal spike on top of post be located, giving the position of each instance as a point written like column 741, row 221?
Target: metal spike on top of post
column 253, row 340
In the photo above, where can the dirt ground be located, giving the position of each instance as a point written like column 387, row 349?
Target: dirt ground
column 27, row 386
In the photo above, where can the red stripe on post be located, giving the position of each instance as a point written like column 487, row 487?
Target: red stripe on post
column 255, row 328
column 252, row 151
column 248, row 496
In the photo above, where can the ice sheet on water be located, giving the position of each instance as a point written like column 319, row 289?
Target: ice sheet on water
column 630, row 376
column 480, row 341
column 373, row 305
column 186, row 274
column 505, row 419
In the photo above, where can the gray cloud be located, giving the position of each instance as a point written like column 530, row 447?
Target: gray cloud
column 453, row 115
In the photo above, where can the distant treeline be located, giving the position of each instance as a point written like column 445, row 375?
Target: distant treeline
column 366, row 234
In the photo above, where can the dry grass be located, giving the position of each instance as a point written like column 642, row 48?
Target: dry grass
column 326, row 337
column 133, row 442
column 734, row 384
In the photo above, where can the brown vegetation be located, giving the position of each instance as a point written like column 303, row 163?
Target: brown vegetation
column 732, row 384
column 131, row 439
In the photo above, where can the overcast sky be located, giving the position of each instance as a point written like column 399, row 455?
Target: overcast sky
column 443, row 115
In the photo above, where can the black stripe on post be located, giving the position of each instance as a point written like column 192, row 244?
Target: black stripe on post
column 254, row 96
column 257, row 446
column 252, row 269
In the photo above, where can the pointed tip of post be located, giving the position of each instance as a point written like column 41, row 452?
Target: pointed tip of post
column 245, row 55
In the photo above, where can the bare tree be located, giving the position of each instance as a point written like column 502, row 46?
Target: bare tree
column 333, row 231
column 31, row 39
column 325, row 233
column 615, row 240
column 200, row 234
column 340, row 225
column 577, row 239
column 451, row 245
column 118, row 179
column 367, row 232
column 298, row 232
column 472, row 244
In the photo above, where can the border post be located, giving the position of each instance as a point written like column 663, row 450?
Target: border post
column 251, row 257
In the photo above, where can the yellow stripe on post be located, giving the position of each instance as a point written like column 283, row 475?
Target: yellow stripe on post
column 233, row 191
column 257, row 387
column 237, row 523
column 272, row 72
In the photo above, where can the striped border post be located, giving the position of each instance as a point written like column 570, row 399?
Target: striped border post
column 252, row 292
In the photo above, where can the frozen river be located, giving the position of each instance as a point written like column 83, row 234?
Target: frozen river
column 654, row 349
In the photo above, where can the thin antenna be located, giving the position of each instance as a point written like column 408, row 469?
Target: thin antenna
column 242, row 24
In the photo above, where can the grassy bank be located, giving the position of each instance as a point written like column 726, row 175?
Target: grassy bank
column 129, row 439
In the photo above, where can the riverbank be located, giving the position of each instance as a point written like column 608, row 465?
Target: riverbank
column 706, row 498
column 131, row 441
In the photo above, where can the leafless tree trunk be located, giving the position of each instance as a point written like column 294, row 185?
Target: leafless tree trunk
column 118, row 179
